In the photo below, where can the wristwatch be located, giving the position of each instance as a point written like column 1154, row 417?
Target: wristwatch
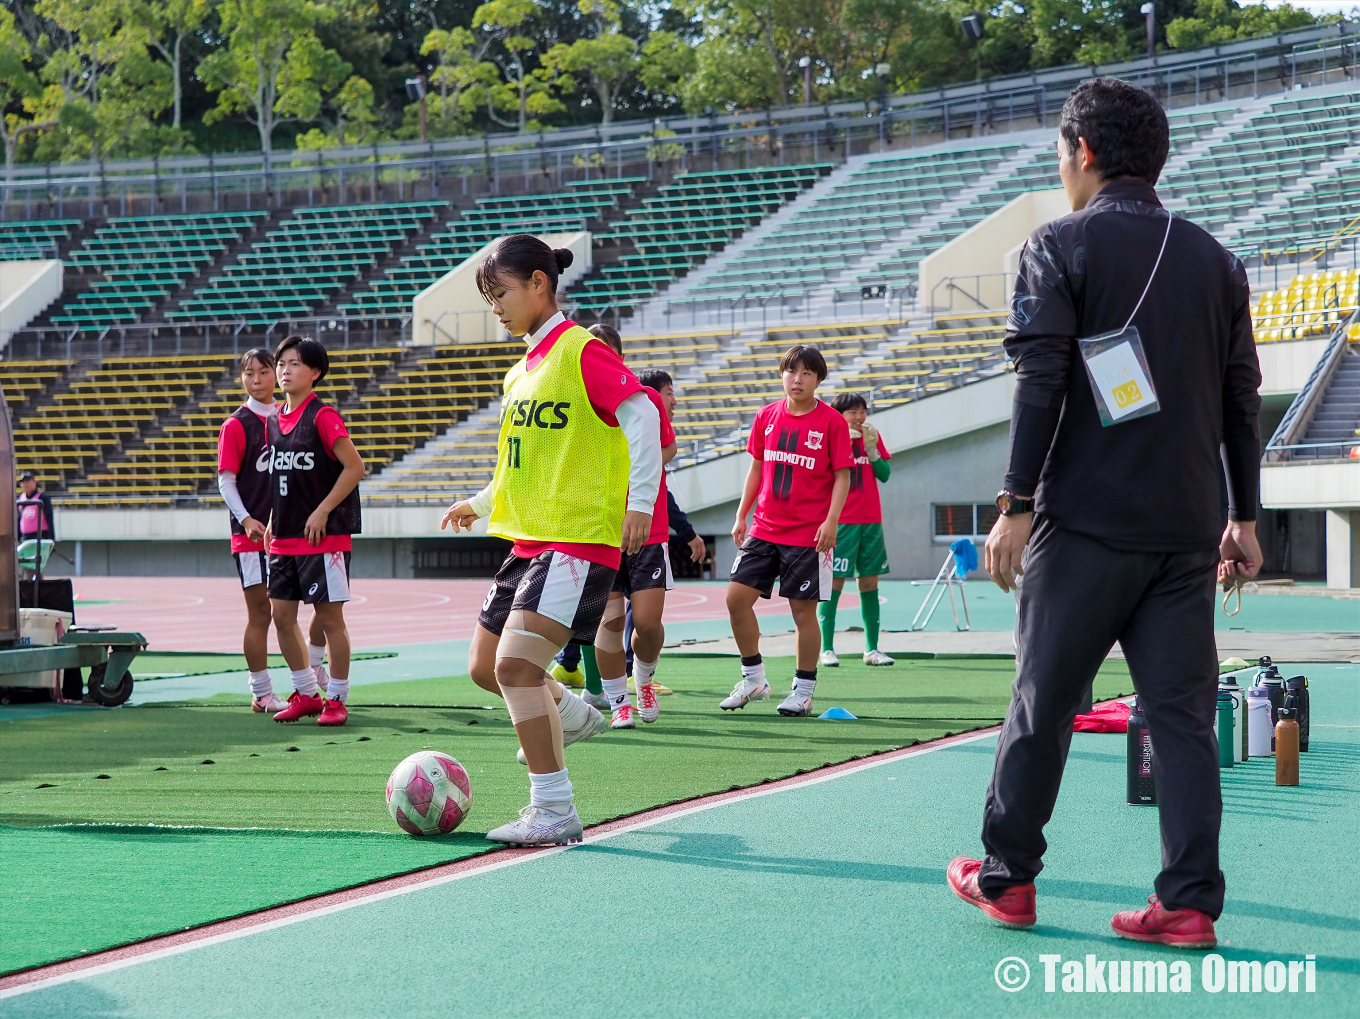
column 1009, row 504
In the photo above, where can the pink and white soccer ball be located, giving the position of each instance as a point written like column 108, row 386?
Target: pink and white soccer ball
column 429, row 794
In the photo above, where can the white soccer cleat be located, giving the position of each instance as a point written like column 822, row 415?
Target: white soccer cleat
column 540, row 826
column 876, row 657
column 623, row 717
column 592, row 723
column 744, row 693
column 598, row 701
column 648, row 708
column 323, row 678
column 662, row 690
column 271, row 703
column 829, row 659
column 796, row 705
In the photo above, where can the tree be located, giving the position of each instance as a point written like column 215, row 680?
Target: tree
column 273, row 70
column 605, row 60
column 1218, row 21
column 167, row 24
column 23, row 109
column 463, row 77
column 527, row 91
column 350, row 117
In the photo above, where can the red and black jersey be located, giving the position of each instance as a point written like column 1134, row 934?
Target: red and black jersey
column 303, row 475
column 252, row 477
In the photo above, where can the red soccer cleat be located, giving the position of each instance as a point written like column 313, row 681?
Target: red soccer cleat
column 1015, row 907
column 1179, row 928
column 333, row 713
column 299, row 705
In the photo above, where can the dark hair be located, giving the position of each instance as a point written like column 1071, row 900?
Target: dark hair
column 520, row 256
column 848, row 401
column 258, row 354
column 804, row 355
column 1124, row 126
column 655, row 378
column 311, row 352
column 610, row 335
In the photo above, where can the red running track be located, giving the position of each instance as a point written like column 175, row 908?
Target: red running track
column 207, row 613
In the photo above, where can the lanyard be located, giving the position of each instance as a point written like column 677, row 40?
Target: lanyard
column 1155, row 266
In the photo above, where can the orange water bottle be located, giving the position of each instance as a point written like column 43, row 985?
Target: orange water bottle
column 1287, row 748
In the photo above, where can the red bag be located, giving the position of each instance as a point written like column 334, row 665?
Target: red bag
column 1110, row 717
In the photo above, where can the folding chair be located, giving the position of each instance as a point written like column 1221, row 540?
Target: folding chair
column 961, row 560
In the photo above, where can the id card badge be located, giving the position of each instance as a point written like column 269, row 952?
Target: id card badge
column 1118, row 370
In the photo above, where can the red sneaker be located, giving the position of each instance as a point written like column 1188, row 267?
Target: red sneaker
column 333, row 713
column 1014, row 908
column 298, row 706
column 1179, row 928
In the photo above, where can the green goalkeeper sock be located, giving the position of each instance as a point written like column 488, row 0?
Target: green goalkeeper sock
column 593, row 683
column 869, row 609
column 826, row 612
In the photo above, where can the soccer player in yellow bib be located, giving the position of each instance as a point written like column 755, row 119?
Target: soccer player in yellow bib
column 578, row 469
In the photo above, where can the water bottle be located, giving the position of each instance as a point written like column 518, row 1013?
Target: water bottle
column 1287, row 748
column 1297, row 688
column 1142, row 784
column 1259, row 725
column 1228, row 685
column 1226, row 742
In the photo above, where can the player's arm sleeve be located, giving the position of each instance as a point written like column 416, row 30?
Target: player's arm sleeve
column 231, row 446
column 641, row 426
column 330, row 426
column 607, row 379
column 755, row 442
column 483, row 502
column 684, row 530
column 231, row 495
column 881, row 468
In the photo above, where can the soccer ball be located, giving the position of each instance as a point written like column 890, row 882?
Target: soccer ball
column 429, row 794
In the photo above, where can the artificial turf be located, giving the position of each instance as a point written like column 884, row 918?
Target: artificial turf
column 112, row 821
column 156, row 664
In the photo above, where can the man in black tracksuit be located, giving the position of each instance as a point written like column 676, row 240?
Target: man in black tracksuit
column 1126, row 531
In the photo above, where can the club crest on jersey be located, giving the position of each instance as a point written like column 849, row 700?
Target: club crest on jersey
column 814, row 440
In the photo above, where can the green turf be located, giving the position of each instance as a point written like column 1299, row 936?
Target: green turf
column 155, row 664
column 318, row 792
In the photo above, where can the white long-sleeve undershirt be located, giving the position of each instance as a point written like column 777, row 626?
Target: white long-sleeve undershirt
column 231, row 495
column 641, row 425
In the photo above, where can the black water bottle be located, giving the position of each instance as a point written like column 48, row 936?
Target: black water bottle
column 1142, row 783
column 1296, row 697
column 1270, row 678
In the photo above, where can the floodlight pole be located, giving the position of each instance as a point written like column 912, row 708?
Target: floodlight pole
column 1149, row 10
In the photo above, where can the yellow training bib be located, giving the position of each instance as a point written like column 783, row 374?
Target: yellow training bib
column 561, row 472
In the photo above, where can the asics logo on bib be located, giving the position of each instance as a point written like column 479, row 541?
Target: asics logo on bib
column 536, row 414
column 293, row 460
column 262, row 462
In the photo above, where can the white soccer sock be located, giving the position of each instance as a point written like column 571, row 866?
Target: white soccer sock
column 550, row 790
column 338, row 689
column 304, row 682
column 572, row 710
column 644, row 672
column 804, row 687
column 755, row 673
column 318, row 654
column 617, row 691
column 261, row 685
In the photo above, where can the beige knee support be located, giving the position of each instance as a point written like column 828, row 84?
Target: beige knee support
column 518, row 642
column 608, row 639
column 525, row 703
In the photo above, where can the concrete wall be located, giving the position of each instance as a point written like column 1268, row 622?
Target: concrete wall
column 452, row 310
column 26, row 288
column 373, row 558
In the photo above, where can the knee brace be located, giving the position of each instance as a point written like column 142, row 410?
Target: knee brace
column 608, row 639
column 525, row 703
column 517, row 642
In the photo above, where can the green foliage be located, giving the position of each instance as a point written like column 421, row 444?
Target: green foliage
column 1218, row 21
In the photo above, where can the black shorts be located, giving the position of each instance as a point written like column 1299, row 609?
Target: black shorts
column 317, row 578
column 650, row 568
column 803, row 573
column 252, row 568
column 567, row 590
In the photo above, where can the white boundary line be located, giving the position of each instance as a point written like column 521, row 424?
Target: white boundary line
column 754, row 792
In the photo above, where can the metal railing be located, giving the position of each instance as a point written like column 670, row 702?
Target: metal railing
column 398, row 171
column 1295, row 421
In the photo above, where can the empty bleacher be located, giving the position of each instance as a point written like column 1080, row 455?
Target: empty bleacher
column 304, row 262
column 577, row 204
column 686, row 221
column 141, row 259
column 34, row 239
column 1313, row 304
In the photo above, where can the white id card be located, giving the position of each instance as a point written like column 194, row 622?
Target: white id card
column 1119, row 375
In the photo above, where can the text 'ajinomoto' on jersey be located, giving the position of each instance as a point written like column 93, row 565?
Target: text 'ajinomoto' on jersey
column 534, row 414
column 786, row 458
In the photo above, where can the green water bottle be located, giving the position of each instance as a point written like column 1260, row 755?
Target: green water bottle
column 1226, row 709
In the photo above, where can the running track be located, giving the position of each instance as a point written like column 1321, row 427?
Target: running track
column 207, row 614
